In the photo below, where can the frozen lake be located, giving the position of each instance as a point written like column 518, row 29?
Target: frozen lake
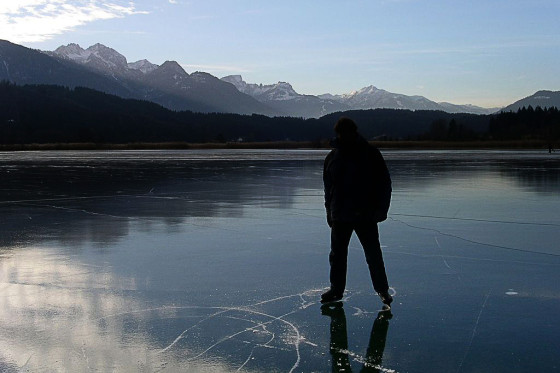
column 213, row 261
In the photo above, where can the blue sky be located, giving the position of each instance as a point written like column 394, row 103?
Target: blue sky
column 489, row 53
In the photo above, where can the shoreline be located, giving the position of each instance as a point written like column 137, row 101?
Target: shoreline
column 407, row 145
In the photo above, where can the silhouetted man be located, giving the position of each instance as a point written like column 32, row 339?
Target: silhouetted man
column 357, row 197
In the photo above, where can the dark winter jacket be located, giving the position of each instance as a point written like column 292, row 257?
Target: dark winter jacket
column 357, row 182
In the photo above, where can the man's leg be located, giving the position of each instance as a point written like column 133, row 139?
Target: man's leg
column 369, row 238
column 338, row 257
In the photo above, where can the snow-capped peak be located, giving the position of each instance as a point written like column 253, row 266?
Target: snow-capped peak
column 284, row 85
column 97, row 56
column 144, row 66
column 368, row 90
column 239, row 83
column 72, row 51
column 108, row 55
column 280, row 91
column 234, row 78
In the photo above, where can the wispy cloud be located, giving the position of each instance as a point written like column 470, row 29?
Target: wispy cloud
column 40, row 20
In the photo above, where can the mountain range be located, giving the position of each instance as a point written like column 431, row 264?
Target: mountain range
column 372, row 98
column 283, row 97
column 167, row 84
column 102, row 68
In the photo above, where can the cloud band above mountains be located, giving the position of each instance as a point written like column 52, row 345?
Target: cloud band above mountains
column 40, row 20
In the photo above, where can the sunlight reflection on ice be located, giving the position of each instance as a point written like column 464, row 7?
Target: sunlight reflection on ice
column 88, row 329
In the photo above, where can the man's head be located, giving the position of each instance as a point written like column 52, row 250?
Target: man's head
column 345, row 128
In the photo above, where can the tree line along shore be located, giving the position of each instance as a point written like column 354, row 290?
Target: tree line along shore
column 43, row 117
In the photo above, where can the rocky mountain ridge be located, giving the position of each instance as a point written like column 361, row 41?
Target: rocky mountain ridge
column 105, row 69
column 369, row 97
column 280, row 96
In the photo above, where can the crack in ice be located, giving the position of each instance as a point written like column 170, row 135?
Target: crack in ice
column 473, row 332
column 296, row 341
column 473, row 241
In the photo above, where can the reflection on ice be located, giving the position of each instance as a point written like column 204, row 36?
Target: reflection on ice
column 87, row 319
column 340, row 353
column 48, row 326
column 209, row 261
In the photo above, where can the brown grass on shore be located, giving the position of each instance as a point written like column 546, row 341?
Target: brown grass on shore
column 452, row 145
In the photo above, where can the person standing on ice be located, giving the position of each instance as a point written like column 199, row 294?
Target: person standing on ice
column 357, row 197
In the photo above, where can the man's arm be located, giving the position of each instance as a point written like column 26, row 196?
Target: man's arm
column 383, row 188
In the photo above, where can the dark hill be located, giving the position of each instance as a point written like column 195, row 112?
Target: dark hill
column 47, row 113
column 543, row 99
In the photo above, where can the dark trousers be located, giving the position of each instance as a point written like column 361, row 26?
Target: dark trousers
column 369, row 238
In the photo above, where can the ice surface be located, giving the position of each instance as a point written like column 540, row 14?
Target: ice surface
column 213, row 261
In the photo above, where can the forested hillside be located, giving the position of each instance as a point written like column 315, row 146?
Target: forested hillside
column 53, row 114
